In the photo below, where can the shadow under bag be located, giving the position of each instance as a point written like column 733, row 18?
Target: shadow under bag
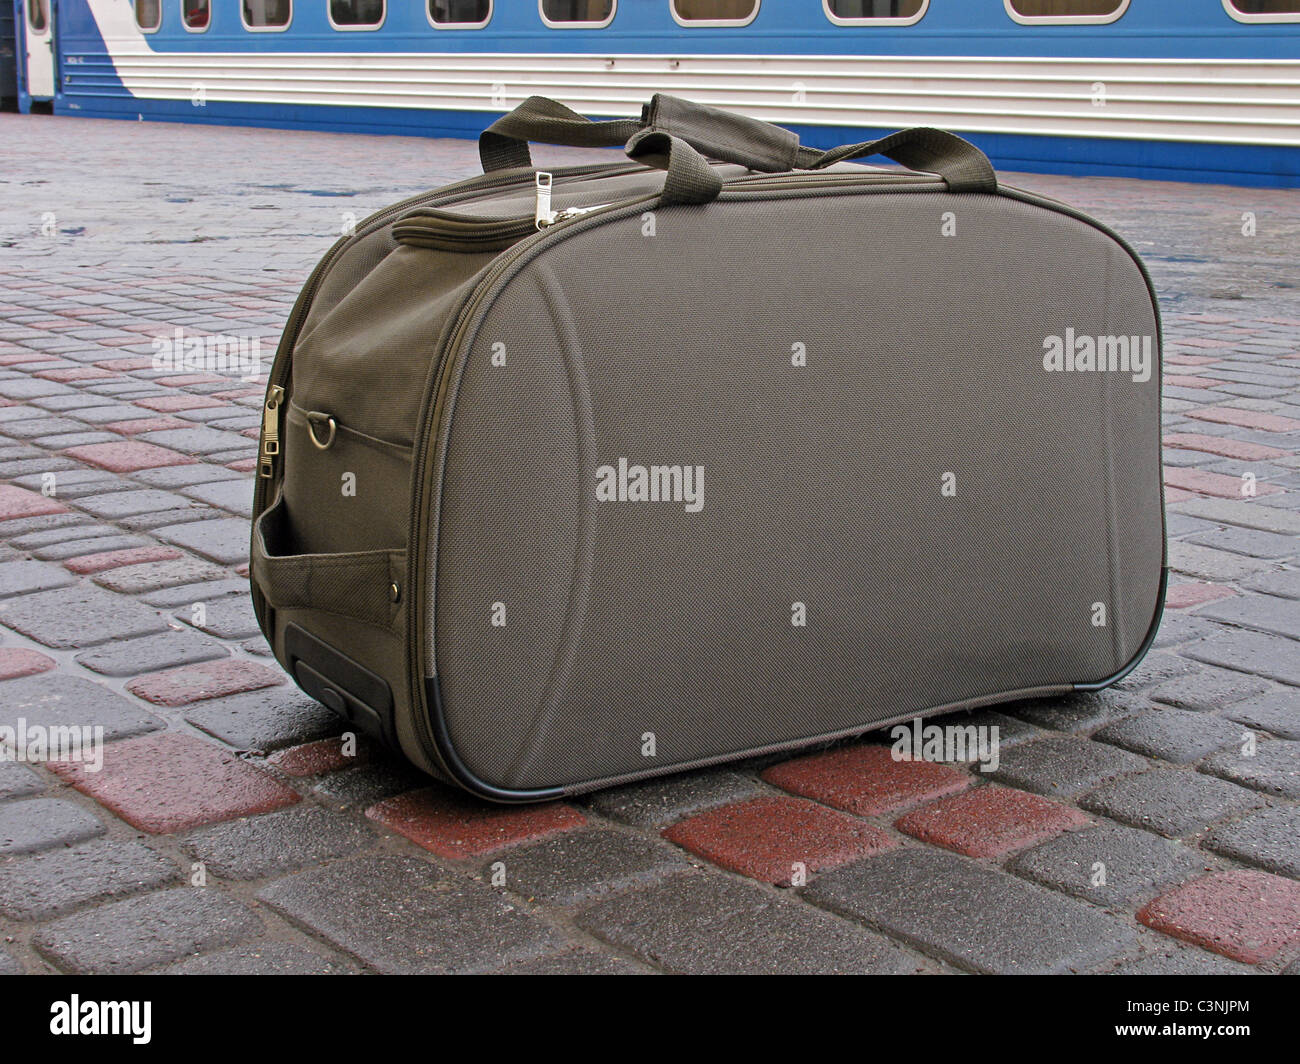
column 731, row 446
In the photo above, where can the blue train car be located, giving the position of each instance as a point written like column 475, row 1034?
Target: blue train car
column 1183, row 89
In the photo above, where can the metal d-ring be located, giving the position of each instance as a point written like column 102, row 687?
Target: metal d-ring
column 316, row 417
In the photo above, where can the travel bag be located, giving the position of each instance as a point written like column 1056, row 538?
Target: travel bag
column 723, row 447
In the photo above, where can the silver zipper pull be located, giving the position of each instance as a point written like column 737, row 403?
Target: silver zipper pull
column 542, row 214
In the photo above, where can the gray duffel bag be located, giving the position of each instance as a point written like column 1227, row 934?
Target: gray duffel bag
column 726, row 447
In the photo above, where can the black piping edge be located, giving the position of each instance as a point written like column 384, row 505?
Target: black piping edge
column 460, row 772
column 1142, row 651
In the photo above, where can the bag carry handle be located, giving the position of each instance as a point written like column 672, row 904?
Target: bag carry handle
column 721, row 135
column 962, row 165
column 504, row 144
column 690, row 177
column 667, row 121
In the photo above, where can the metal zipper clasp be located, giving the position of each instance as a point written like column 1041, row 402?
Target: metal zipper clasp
column 270, row 445
column 542, row 213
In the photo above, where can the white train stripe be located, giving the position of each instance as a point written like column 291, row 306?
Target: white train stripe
column 1227, row 101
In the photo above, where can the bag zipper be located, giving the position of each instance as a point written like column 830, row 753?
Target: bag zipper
column 542, row 213
column 454, row 231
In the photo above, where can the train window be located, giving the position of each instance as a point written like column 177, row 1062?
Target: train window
column 1263, row 10
column 356, row 14
column 38, row 14
column 714, row 12
column 1070, row 12
column 460, row 14
column 148, row 14
column 196, row 14
column 586, row 13
column 266, row 14
column 875, row 12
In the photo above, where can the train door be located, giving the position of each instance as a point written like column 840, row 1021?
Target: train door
column 8, row 58
column 38, row 26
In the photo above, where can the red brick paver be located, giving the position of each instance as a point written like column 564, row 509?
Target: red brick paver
column 1246, row 419
column 1182, row 380
column 312, row 759
column 75, row 373
column 24, row 357
column 1184, row 596
column 239, row 393
column 19, row 502
column 171, row 782
column 769, row 838
column 169, row 404
column 990, row 821
column 211, row 679
column 1224, row 446
column 456, row 826
column 19, row 661
column 123, row 365
column 135, row 426
column 129, row 456
column 1248, row 916
column 112, row 559
column 866, row 780
column 1224, row 487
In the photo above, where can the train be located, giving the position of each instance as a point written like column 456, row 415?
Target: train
column 1188, row 90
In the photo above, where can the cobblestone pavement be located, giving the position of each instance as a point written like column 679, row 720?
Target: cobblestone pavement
column 112, row 234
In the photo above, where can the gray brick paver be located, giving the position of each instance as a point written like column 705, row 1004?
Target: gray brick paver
column 42, row 823
column 146, row 931
column 707, row 924
column 275, row 843
column 46, row 884
column 971, row 915
column 1170, row 802
column 78, row 616
column 1174, row 735
column 401, row 915
column 574, row 868
column 1269, row 838
column 59, row 699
